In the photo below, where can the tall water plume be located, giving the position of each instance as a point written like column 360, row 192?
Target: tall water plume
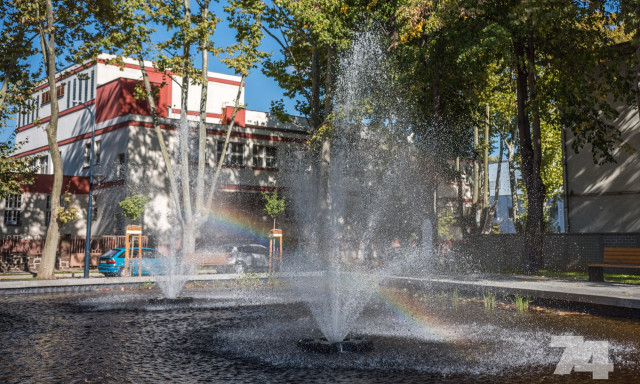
column 362, row 221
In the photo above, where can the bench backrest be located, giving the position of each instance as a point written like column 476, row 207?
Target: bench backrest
column 622, row 255
column 205, row 258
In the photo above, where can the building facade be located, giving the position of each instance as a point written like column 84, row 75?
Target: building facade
column 127, row 152
column 605, row 198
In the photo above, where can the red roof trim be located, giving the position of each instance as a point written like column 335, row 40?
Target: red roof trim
column 131, row 123
column 197, row 113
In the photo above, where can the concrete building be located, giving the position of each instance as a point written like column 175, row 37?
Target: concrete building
column 127, row 156
column 605, row 198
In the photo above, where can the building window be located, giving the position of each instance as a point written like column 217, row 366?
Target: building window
column 92, row 84
column 97, row 152
column 43, row 165
column 46, row 96
column 121, row 166
column 79, row 90
column 47, row 212
column 264, row 157
column 13, row 210
column 34, row 111
column 87, row 154
column 235, row 154
column 68, row 95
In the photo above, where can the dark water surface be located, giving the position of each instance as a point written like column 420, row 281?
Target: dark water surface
column 230, row 335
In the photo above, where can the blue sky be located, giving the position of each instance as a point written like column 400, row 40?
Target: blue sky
column 259, row 92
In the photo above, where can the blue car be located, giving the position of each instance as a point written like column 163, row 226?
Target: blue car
column 112, row 262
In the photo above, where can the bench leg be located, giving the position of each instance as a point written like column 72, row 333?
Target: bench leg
column 596, row 274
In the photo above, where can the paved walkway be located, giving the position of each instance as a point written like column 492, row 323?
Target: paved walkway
column 577, row 291
column 12, row 285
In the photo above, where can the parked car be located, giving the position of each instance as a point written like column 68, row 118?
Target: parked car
column 111, row 263
column 247, row 257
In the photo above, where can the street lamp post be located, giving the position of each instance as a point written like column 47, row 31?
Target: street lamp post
column 87, row 248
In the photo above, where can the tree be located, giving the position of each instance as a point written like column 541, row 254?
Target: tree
column 47, row 31
column 16, row 81
column 439, row 54
column 559, row 57
column 134, row 205
column 274, row 206
column 14, row 172
column 131, row 35
column 59, row 25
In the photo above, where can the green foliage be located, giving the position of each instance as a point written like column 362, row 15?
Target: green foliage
column 274, row 206
column 134, row 205
column 489, row 300
column 250, row 280
column 446, row 223
column 522, row 303
column 455, row 298
column 67, row 212
column 14, row 172
column 246, row 17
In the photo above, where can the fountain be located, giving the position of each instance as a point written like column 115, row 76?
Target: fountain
column 369, row 226
column 371, row 199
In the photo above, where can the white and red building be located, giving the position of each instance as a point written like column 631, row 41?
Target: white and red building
column 127, row 150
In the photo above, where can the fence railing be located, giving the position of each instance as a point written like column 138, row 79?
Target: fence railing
column 29, row 246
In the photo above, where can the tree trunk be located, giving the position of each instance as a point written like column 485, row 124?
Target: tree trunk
column 488, row 210
column 315, row 89
column 535, row 220
column 485, row 158
column 530, row 160
column 47, row 266
column 188, row 228
column 638, row 80
column 513, row 186
column 324, row 161
column 491, row 212
column 475, row 196
column 432, row 209
column 476, row 169
column 462, row 222
column 216, row 175
column 437, row 105
column 3, row 90
column 156, row 125
column 202, row 137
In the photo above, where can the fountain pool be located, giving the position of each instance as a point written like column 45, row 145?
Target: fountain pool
column 250, row 335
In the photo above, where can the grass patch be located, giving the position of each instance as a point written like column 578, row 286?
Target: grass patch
column 489, row 300
column 583, row 275
column 522, row 303
column 455, row 298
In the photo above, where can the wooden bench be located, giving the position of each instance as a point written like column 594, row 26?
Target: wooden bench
column 615, row 258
